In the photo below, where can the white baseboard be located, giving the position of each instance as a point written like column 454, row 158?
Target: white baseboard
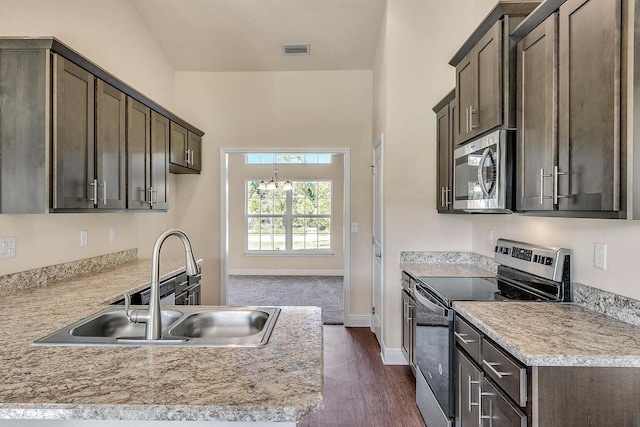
column 392, row 356
column 358, row 321
column 277, row 272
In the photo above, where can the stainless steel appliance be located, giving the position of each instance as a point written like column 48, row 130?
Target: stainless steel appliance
column 526, row 273
column 484, row 174
column 408, row 320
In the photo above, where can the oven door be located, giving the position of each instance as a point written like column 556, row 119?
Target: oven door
column 483, row 174
column 434, row 359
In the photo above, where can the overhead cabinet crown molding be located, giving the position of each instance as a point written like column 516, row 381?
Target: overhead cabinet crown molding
column 73, row 138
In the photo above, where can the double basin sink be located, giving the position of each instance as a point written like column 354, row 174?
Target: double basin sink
column 198, row 326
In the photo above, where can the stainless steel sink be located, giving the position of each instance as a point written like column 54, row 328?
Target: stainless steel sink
column 115, row 324
column 181, row 326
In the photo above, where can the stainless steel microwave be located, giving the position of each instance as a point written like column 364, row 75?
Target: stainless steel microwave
column 484, row 173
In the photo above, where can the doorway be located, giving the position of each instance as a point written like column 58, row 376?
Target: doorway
column 273, row 251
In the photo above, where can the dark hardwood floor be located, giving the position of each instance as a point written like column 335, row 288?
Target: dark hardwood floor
column 358, row 389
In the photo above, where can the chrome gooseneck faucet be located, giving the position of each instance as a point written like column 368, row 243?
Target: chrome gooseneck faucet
column 151, row 315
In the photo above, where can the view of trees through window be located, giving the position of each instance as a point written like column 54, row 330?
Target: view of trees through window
column 289, row 221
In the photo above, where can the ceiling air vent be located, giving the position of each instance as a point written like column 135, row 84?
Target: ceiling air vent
column 296, row 49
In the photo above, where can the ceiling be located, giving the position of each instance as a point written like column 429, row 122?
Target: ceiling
column 247, row 35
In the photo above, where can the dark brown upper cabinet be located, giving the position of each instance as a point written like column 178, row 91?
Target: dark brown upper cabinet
column 537, row 117
column 148, row 159
column 185, row 150
column 74, row 182
column 65, row 126
column 569, row 112
column 589, row 106
column 89, row 166
column 110, row 151
column 485, row 66
column 446, row 118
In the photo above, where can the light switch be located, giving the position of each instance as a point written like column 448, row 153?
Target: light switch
column 83, row 238
column 600, row 256
column 112, row 234
column 7, row 247
column 354, row 227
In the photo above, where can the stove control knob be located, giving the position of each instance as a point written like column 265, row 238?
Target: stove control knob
column 497, row 248
column 535, row 258
column 548, row 261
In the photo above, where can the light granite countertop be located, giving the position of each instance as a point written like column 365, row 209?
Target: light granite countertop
column 280, row 382
column 445, row 270
column 555, row 334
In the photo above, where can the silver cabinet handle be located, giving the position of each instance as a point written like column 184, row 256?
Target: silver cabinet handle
column 481, row 417
column 470, row 397
column 491, row 365
column 442, row 196
column 461, row 338
column 191, row 157
column 94, row 184
column 186, row 152
column 556, row 174
column 410, row 311
column 104, row 192
column 467, row 122
column 154, row 191
column 446, row 192
column 150, row 191
column 471, row 113
column 542, row 177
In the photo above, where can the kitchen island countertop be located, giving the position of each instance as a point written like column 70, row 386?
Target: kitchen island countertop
column 555, row 334
column 280, row 382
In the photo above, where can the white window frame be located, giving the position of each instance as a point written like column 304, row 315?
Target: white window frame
column 288, row 217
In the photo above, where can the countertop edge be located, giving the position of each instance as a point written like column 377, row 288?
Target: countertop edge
column 124, row 412
column 547, row 360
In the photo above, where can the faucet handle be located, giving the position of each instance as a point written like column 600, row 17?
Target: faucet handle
column 127, row 305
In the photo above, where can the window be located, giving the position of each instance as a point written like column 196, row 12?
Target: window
column 297, row 221
column 274, row 158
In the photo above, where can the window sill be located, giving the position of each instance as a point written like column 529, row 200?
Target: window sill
column 292, row 254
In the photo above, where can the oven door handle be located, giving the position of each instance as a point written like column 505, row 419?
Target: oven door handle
column 431, row 304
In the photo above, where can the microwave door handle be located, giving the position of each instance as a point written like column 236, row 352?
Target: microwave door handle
column 431, row 305
column 480, row 177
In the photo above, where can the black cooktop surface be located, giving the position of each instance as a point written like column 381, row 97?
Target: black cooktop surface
column 450, row 289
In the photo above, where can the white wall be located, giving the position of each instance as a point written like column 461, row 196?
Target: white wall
column 111, row 34
column 240, row 173
column 326, row 109
column 412, row 74
column 579, row 235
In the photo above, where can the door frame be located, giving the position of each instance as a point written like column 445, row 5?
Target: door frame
column 379, row 142
column 346, row 215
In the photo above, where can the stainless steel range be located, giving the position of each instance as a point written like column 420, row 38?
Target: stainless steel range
column 525, row 273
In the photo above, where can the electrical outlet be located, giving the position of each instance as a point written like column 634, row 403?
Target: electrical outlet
column 7, row 247
column 600, row 256
column 83, row 238
column 490, row 237
column 112, row 234
column 354, row 227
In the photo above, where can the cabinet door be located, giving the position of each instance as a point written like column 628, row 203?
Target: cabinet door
column 464, row 98
column 498, row 409
column 443, row 142
column 73, row 136
column 178, row 145
column 138, row 154
column 194, row 145
column 160, row 131
column 487, row 60
column 589, row 105
column 468, row 382
column 537, row 116
column 110, row 146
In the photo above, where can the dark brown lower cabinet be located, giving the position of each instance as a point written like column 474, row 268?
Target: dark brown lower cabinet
column 494, row 389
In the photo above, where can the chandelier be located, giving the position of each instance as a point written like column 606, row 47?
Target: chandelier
column 271, row 183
